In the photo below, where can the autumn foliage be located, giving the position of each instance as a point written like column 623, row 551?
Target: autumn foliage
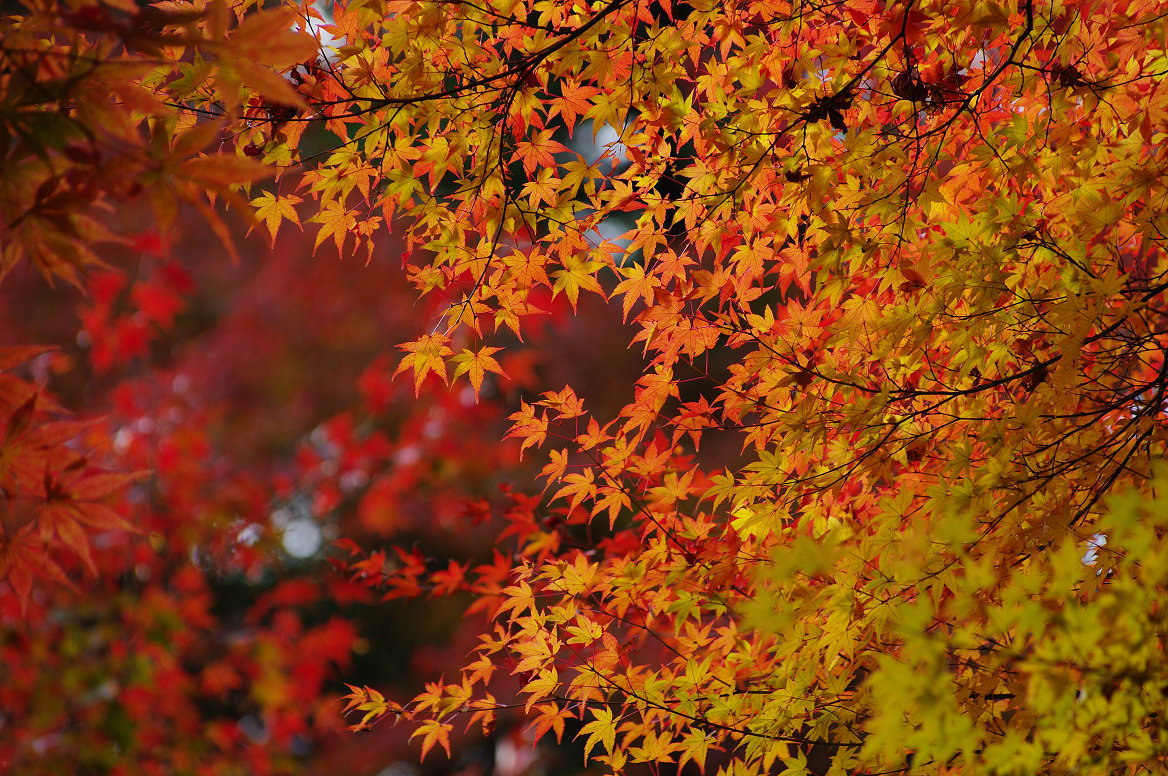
column 869, row 481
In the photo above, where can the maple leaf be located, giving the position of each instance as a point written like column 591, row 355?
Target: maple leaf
column 370, row 701
column 475, row 364
column 539, row 151
column 544, row 189
column 564, row 402
column 336, row 220
column 543, row 685
column 216, row 171
column 433, row 732
column 528, row 426
column 271, row 37
column 551, row 717
column 268, row 84
column 274, row 210
column 637, row 286
column 573, row 102
column 601, row 730
column 425, row 355
column 695, row 746
column 577, row 274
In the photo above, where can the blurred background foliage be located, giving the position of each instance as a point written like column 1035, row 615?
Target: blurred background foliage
column 257, row 397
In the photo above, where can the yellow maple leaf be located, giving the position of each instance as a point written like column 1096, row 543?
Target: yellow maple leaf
column 432, row 732
column 602, row 729
column 273, row 211
column 425, row 354
column 475, row 365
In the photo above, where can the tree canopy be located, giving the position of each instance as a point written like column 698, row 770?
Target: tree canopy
column 884, row 491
